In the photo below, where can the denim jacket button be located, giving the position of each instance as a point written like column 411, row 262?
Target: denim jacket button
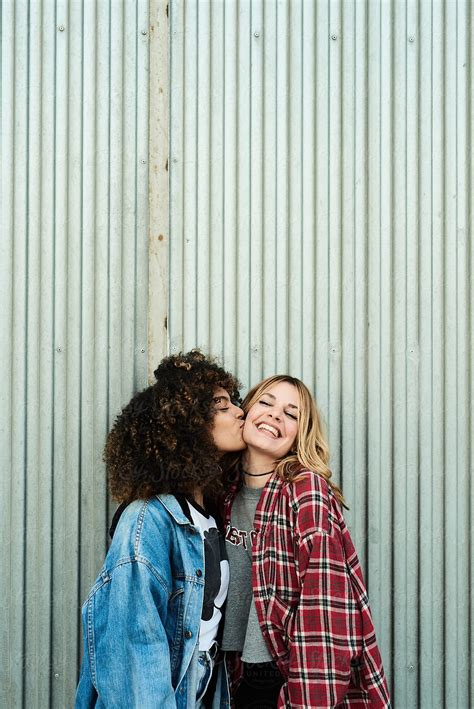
column 198, row 573
column 188, row 634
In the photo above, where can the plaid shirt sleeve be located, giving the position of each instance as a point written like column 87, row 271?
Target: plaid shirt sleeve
column 332, row 636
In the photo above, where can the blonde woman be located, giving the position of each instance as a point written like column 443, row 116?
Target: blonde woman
column 298, row 630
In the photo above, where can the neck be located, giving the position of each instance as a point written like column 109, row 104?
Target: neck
column 198, row 497
column 256, row 462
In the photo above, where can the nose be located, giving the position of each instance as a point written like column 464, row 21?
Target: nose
column 275, row 414
column 239, row 413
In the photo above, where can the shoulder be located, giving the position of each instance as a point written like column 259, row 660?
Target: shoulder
column 143, row 526
column 312, row 501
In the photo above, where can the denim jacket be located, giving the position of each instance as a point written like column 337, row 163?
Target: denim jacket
column 142, row 617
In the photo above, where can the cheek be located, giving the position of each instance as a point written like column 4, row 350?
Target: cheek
column 219, row 432
column 246, row 429
column 229, row 427
column 292, row 433
column 215, row 433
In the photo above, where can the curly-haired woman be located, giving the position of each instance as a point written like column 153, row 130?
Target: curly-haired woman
column 297, row 617
column 151, row 620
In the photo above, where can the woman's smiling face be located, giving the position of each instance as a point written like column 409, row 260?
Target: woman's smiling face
column 271, row 424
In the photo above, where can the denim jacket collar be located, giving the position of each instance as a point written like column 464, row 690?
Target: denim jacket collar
column 171, row 504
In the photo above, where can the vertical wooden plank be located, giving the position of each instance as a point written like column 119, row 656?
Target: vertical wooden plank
column 159, row 193
column 176, row 177
column 144, row 240
column 190, row 148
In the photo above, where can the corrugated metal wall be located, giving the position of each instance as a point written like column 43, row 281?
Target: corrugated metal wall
column 73, row 283
column 320, row 223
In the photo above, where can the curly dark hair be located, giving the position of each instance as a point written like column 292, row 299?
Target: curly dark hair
column 161, row 441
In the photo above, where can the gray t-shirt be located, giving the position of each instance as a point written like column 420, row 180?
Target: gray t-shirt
column 241, row 628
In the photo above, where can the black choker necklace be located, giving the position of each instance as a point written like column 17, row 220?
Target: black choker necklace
column 257, row 475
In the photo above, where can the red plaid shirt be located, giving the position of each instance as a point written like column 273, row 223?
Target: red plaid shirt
column 311, row 599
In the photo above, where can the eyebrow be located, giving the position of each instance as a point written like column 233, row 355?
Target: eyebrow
column 218, row 399
column 272, row 396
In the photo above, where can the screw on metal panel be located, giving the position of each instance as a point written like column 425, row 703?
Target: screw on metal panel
column 411, row 38
column 56, row 675
column 143, row 162
column 142, row 349
column 256, row 34
column 411, row 668
column 144, row 32
column 61, row 28
column 334, row 37
column 58, row 349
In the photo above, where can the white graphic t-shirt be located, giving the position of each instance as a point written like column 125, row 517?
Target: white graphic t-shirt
column 216, row 573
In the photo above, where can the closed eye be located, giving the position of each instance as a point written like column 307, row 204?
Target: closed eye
column 292, row 416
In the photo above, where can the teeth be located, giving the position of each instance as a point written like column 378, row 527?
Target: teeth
column 268, row 428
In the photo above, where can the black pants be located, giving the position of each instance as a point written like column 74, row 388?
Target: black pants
column 260, row 686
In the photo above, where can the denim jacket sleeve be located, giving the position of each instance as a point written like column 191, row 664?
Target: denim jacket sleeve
column 127, row 654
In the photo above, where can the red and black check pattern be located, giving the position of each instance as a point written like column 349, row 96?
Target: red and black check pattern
column 311, row 599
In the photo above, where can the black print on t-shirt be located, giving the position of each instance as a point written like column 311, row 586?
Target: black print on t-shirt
column 214, row 551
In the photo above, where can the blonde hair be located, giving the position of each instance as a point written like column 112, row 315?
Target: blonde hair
column 311, row 451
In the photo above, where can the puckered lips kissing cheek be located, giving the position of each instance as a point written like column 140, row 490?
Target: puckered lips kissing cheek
column 227, row 429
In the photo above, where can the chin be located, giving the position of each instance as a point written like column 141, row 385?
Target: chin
column 269, row 450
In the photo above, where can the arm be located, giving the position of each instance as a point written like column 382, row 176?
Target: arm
column 332, row 628
column 129, row 658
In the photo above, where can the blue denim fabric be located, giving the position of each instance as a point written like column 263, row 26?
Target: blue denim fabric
column 205, row 666
column 142, row 617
